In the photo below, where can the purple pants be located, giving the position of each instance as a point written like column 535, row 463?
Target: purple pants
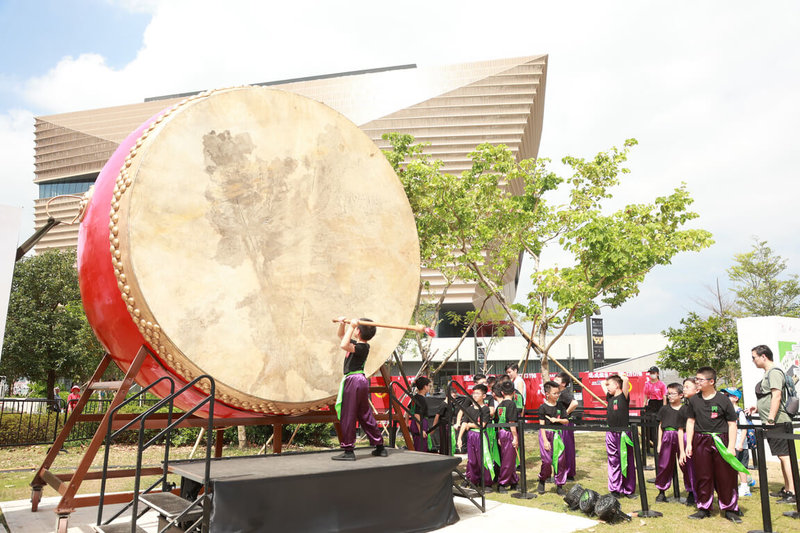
column 547, row 459
column 508, row 459
column 474, row 459
column 616, row 481
column 355, row 407
column 688, row 471
column 667, row 459
column 420, row 442
column 569, row 450
column 713, row 473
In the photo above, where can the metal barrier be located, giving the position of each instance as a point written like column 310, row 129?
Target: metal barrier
column 31, row 421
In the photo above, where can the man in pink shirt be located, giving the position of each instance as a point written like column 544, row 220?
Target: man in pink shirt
column 655, row 392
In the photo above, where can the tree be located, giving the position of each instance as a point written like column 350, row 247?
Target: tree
column 47, row 335
column 476, row 226
column 701, row 342
column 757, row 285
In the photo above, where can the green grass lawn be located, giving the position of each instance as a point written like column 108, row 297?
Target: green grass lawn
column 592, row 474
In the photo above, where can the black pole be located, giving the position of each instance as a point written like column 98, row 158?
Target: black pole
column 795, row 473
column 637, row 453
column 523, row 494
column 763, row 484
column 645, row 441
column 676, row 489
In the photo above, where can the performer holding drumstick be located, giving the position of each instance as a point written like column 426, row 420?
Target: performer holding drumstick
column 352, row 404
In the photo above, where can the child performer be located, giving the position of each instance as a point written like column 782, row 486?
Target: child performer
column 734, row 395
column 619, row 446
column 551, row 444
column 710, row 436
column 687, row 463
column 506, row 412
column 472, row 416
column 568, row 404
column 419, row 414
column 353, row 401
column 670, row 445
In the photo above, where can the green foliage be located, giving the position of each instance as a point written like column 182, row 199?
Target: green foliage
column 24, row 427
column 700, row 342
column 47, row 335
column 475, row 227
column 757, row 285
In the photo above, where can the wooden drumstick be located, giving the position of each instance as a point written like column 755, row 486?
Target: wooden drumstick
column 419, row 328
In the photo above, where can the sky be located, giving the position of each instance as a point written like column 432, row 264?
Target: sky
column 709, row 89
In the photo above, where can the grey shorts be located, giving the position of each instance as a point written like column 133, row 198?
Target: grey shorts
column 778, row 446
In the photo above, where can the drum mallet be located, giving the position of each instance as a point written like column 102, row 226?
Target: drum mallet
column 415, row 327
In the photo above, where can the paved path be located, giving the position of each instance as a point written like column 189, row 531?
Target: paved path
column 498, row 517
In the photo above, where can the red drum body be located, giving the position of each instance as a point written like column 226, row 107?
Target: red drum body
column 226, row 232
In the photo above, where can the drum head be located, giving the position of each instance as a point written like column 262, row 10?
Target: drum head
column 242, row 223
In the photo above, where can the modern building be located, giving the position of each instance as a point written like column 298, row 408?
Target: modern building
column 453, row 108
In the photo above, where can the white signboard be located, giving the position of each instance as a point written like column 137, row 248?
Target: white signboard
column 782, row 335
column 10, row 218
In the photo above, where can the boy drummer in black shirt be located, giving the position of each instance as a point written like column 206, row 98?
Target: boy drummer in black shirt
column 619, row 446
column 710, row 440
column 670, row 445
column 352, row 404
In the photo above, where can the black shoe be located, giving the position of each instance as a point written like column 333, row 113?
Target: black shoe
column 380, row 451
column 690, row 499
column 540, row 488
column 700, row 514
column 662, row 497
column 780, row 494
column 733, row 516
column 789, row 498
column 501, row 489
column 348, row 455
column 560, row 490
column 631, row 496
column 616, row 494
column 570, row 478
column 513, row 486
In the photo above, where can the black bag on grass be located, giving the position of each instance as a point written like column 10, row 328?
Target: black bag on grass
column 573, row 497
column 588, row 500
column 607, row 508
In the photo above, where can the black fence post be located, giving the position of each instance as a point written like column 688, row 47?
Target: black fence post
column 795, row 473
column 645, row 440
column 676, row 489
column 523, row 494
column 637, row 451
column 763, row 484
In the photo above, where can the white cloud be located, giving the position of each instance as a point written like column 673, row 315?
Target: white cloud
column 16, row 170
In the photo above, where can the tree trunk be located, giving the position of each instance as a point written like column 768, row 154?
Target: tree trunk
column 242, row 437
column 51, row 383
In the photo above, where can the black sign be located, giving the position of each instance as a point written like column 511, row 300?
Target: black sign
column 598, row 354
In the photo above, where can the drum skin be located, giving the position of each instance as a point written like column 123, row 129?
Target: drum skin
column 166, row 268
column 104, row 308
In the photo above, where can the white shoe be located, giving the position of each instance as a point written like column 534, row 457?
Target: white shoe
column 744, row 490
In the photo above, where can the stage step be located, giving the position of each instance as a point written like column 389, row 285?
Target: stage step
column 170, row 505
column 120, row 527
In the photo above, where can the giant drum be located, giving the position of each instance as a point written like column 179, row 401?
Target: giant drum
column 227, row 231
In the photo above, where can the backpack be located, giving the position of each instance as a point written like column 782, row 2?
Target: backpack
column 791, row 404
column 750, row 438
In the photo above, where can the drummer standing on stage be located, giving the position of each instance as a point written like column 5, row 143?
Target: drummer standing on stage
column 655, row 391
column 568, row 403
column 352, row 404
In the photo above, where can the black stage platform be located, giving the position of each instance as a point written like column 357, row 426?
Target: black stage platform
column 406, row 491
